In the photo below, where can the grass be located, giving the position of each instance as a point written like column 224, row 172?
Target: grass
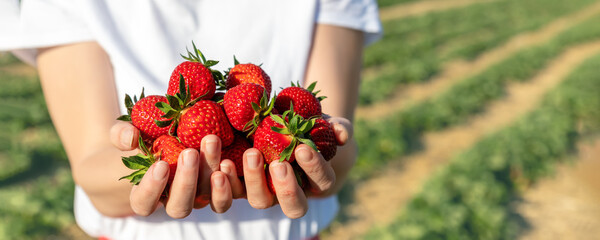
column 35, row 181
column 470, row 199
column 414, row 49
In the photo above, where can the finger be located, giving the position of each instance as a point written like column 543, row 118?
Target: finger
column 319, row 172
column 289, row 194
column 183, row 189
column 124, row 136
column 342, row 128
column 210, row 157
column 257, row 192
column 144, row 196
column 221, row 197
column 237, row 188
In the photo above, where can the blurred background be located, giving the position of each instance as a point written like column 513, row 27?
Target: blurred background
column 478, row 119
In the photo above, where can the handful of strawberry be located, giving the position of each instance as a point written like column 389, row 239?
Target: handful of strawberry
column 243, row 117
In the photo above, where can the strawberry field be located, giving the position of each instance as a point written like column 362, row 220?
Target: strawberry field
column 472, row 142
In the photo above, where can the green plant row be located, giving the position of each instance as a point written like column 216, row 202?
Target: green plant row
column 400, row 133
column 388, row 3
column 471, row 198
column 36, row 187
column 414, row 49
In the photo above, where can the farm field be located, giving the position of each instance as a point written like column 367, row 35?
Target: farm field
column 478, row 119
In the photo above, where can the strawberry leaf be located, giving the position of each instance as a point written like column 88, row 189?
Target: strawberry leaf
column 255, row 107
column 210, row 63
column 309, row 143
column 163, row 124
column 284, row 131
column 125, row 118
column 128, row 103
column 235, row 61
column 286, row 154
column 143, row 147
column 135, row 177
column 278, row 119
column 136, row 162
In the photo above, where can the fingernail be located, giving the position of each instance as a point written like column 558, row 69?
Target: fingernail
column 190, row 159
column 219, row 181
column 160, row 170
column 252, row 159
column 279, row 170
column 303, row 155
column 341, row 133
column 127, row 137
column 211, row 146
column 225, row 169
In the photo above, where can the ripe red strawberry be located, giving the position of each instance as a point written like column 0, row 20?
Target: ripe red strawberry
column 248, row 73
column 305, row 101
column 277, row 138
column 323, row 136
column 246, row 105
column 165, row 148
column 204, row 118
column 235, row 153
column 143, row 114
column 199, row 78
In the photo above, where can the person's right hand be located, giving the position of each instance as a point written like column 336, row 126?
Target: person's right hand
column 197, row 182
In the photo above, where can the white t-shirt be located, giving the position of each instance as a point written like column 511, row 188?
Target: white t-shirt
column 144, row 40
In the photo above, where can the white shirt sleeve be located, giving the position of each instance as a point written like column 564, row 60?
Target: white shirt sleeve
column 361, row 15
column 31, row 24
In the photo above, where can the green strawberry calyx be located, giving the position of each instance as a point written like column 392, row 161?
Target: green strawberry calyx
column 175, row 106
column 139, row 162
column 129, row 106
column 197, row 56
column 261, row 111
column 311, row 89
column 295, row 126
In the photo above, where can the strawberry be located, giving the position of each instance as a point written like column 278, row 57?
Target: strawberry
column 246, row 105
column 144, row 115
column 305, row 101
column 323, row 136
column 199, row 78
column 235, row 152
column 203, row 118
column 248, row 73
column 277, row 138
column 165, row 148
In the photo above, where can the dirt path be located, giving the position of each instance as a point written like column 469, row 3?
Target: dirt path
column 423, row 7
column 566, row 206
column 458, row 70
column 19, row 69
column 380, row 199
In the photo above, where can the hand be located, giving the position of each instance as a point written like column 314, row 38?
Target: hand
column 292, row 198
column 197, row 171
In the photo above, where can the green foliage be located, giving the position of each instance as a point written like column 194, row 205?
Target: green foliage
column 470, row 199
column 36, row 187
column 387, row 3
column 417, row 47
column 400, row 133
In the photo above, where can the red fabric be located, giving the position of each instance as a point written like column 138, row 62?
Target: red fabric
column 314, row 238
